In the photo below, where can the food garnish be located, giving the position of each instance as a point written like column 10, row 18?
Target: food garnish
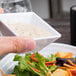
column 37, row 65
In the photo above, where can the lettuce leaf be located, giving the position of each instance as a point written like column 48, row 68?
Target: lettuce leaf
column 41, row 64
column 20, row 73
column 23, row 65
column 25, row 68
column 52, row 67
column 51, row 58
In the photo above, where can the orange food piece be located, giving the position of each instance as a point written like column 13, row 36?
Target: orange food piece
column 62, row 67
column 48, row 72
column 69, row 66
column 29, row 62
column 36, row 69
column 11, row 75
column 71, row 63
column 50, row 62
column 64, row 55
column 70, row 74
column 73, row 71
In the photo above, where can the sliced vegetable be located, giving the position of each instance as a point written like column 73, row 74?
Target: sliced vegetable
column 64, row 55
column 73, row 72
column 51, row 58
column 37, row 65
column 69, row 55
column 36, row 69
column 33, row 57
column 70, row 74
column 69, row 66
column 41, row 63
column 71, row 63
column 61, row 61
column 10, row 75
column 50, row 62
column 29, row 62
column 21, row 73
column 53, row 68
column 62, row 67
column 48, row 73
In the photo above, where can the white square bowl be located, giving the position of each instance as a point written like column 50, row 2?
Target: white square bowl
column 28, row 18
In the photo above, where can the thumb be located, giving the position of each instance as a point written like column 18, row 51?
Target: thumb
column 16, row 45
column 23, row 44
column 1, row 11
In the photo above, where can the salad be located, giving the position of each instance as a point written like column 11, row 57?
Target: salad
column 60, row 64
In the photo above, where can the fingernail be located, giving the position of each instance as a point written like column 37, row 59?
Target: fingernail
column 30, row 44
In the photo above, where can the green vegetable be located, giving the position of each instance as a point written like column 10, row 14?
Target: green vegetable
column 41, row 64
column 22, row 65
column 19, row 73
column 28, row 56
column 27, row 69
column 52, row 67
column 51, row 58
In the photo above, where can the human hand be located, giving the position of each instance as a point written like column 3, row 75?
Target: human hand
column 16, row 45
column 1, row 11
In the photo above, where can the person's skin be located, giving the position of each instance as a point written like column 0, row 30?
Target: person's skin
column 15, row 44
column 1, row 11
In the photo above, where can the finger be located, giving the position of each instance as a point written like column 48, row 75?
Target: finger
column 1, row 11
column 22, row 44
column 16, row 44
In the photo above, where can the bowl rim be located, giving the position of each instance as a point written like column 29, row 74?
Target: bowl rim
column 58, row 35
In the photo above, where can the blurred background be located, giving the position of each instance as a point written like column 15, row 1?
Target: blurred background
column 57, row 14
column 52, row 8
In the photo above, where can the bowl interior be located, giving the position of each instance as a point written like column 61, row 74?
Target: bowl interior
column 28, row 18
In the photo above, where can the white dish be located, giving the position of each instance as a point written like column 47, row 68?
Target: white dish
column 28, row 18
column 55, row 47
column 7, row 64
